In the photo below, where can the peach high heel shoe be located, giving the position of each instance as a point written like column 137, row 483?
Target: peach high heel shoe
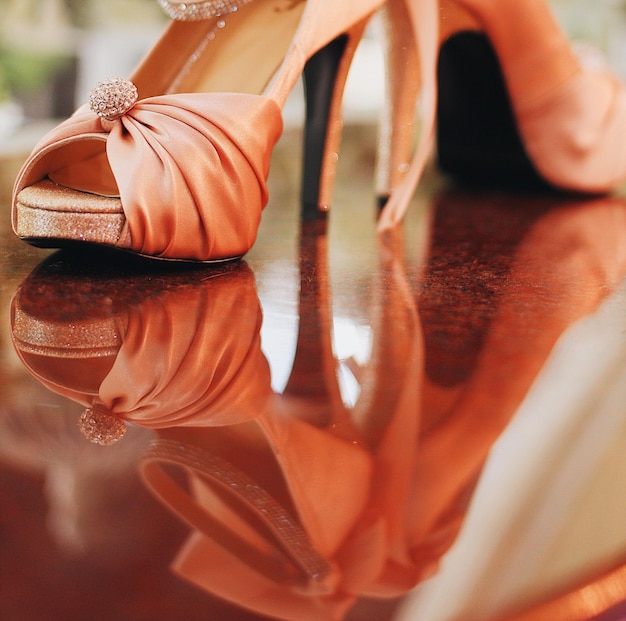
column 173, row 163
column 517, row 106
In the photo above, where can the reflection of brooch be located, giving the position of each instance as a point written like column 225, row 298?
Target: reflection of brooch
column 100, row 426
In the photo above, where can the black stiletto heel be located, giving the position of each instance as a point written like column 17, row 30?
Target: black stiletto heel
column 322, row 92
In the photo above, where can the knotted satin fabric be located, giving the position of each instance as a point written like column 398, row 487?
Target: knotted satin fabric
column 190, row 169
column 178, row 366
column 188, row 356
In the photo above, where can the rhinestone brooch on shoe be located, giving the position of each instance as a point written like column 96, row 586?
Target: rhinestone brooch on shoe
column 112, row 98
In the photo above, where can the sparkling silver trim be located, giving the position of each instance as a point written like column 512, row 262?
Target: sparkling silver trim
column 196, row 11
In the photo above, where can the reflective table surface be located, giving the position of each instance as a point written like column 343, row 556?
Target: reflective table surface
column 427, row 425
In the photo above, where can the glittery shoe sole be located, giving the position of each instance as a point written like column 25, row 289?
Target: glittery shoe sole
column 47, row 214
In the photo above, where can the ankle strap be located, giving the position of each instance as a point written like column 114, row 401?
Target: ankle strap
column 195, row 11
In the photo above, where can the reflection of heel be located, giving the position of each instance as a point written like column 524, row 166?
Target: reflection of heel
column 324, row 78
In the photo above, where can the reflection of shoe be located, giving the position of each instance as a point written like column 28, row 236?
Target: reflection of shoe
column 517, row 106
column 159, row 349
column 499, row 346
column 303, row 510
column 174, row 164
column 269, row 516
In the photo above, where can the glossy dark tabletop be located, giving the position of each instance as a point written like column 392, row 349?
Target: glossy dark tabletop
column 428, row 425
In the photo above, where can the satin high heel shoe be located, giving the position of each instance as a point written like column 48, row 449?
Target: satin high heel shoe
column 173, row 163
column 517, row 106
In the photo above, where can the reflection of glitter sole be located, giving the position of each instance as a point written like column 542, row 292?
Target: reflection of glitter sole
column 76, row 339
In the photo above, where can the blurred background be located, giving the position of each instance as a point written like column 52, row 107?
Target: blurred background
column 53, row 51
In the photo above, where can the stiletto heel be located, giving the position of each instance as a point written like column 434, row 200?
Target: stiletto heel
column 517, row 106
column 324, row 79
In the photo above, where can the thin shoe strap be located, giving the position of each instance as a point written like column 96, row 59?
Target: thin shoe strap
column 424, row 15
